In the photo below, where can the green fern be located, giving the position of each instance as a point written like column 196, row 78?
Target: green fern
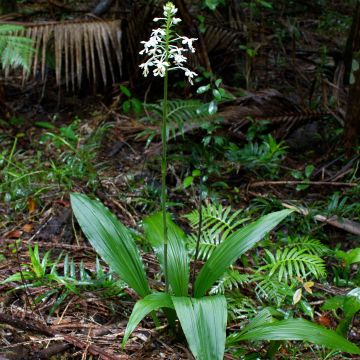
column 293, row 262
column 15, row 50
column 181, row 114
column 231, row 280
column 255, row 156
column 240, row 307
column 217, row 218
column 312, row 246
column 271, row 289
column 218, row 223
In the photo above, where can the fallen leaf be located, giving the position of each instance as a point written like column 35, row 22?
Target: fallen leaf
column 15, row 234
column 27, row 228
column 297, row 296
column 63, row 203
column 308, row 285
column 31, row 205
column 325, row 321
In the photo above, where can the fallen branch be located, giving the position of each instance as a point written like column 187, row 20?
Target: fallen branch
column 344, row 224
column 315, row 183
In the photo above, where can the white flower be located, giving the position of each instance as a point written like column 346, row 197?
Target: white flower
column 190, row 75
column 145, row 67
column 158, row 33
column 175, row 20
column 176, row 50
column 188, row 42
column 153, row 41
column 179, row 59
column 160, row 68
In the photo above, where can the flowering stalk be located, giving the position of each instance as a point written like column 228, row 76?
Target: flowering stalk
column 164, row 152
column 165, row 55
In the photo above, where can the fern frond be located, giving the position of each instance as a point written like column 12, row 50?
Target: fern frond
column 240, row 307
column 270, row 289
column 220, row 219
column 293, row 262
column 15, row 49
column 231, row 280
column 253, row 155
column 183, row 116
column 208, row 243
column 218, row 223
column 312, row 246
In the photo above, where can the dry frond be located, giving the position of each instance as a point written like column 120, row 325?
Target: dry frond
column 79, row 47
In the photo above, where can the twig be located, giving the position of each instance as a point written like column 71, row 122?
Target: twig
column 47, row 245
column 315, row 183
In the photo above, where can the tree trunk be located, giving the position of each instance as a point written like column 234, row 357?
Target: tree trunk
column 352, row 44
column 352, row 119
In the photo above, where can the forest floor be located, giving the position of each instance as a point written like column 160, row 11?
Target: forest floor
column 87, row 144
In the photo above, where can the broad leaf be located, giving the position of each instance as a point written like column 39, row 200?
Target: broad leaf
column 144, row 307
column 299, row 329
column 204, row 324
column 178, row 259
column 233, row 247
column 111, row 240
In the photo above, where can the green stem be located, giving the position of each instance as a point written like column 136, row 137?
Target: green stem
column 198, row 236
column 164, row 156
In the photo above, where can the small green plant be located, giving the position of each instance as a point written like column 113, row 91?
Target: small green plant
column 131, row 103
column 303, row 176
column 213, row 4
column 75, row 279
column 259, row 157
column 348, row 304
column 343, row 274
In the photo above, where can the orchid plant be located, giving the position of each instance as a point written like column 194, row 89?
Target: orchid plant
column 166, row 50
column 202, row 318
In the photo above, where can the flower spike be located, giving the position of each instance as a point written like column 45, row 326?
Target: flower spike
column 166, row 49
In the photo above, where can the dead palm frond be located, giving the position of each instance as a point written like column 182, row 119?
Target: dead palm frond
column 89, row 45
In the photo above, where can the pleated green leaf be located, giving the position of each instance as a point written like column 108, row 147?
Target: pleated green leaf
column 203, row 321
column 233, row 247
column 299, row 329
column 143, row 308
column 111, row 240
column 178, row 259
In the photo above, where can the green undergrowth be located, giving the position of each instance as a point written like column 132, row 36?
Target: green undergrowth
column 63, row 157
